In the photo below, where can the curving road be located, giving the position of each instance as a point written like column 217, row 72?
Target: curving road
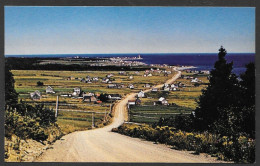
column 102, row 145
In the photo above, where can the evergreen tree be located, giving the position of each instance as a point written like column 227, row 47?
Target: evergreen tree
column 247, row 107
column 248, row 85
column 11, row 96
column 221, row 93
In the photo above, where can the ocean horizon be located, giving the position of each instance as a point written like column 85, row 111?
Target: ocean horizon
column 202, row 61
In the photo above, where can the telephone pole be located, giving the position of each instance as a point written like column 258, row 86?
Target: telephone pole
column 93, row 123
column 56, row 111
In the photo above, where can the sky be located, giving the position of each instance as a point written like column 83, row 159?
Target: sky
column 93, row 30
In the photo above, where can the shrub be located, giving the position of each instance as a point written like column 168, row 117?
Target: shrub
column 240, row 149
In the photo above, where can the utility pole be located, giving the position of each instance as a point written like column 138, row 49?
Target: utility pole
column 93, row 123
column 105, row 115
column 57, row 102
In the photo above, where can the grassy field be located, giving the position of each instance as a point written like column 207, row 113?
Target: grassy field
column 150, row 113
column 75, row 121
column 26, row 82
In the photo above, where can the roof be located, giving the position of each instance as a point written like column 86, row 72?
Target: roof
column 161, row 98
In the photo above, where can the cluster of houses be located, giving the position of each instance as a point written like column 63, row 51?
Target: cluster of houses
column 172, row 87
column 77, row 93
column 36, row 95
column 192, row 79
column 149, row 73
column 198, row 71
column 137, row 101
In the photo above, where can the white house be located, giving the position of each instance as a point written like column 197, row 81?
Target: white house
column 95, row 79
column 131, row 86
column 166, row 88
column 114, row 96
column 195, row 80
column 141, row 94
column 147, row 85
column 149, row 75
column 174, row 86
column 88, row 94
column 49, row 90
column 105, row 80
column 163, row 101
column 131, row 77
column 76, row 91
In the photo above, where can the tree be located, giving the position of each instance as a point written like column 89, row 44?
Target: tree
column 222, row 92
column 11, row 96
column 103, row 97
column 39, row 83
column 248, row 85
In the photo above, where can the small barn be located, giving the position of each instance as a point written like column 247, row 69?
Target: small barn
column 35, row 95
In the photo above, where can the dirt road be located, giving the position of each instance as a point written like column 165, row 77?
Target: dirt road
column 102, row 145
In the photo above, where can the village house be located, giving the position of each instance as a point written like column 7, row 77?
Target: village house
column 35, row 95
column 113, row 86
column 163, row 101
column 131, row 86
column 95, row 79
column 88, row 94
column 130, row 103
column 109, row 75
column 76, row 91
column 166, row 88
column 105, row 80
column 131, row 77
column 149, row 75
column 70, row 78
column 174, row 89
column 83, row 80
column 174, row 86
column 90, row 99
column 194, row 80
column 49, row 90
column 122, row 72
column 114, row 96
column 141, row 94
column 147, row 86
column 154, row 89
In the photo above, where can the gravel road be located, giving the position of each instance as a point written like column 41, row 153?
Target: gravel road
column 102, row 145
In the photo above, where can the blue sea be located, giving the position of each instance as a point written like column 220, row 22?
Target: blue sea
column 203, row 61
